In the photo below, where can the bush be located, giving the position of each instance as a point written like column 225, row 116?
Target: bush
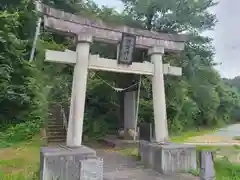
column 20, row 132
column 23, row 90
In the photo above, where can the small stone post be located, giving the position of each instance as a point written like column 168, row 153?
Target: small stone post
column 207, row 171
column 159, row 102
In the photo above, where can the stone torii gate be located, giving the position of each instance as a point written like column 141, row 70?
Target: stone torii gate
column 160, row 155
column 86, row 31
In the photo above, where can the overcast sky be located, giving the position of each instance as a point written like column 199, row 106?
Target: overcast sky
column 226, row 34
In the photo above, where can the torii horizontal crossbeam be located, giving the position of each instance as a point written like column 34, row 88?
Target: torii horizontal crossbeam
column 111, row 65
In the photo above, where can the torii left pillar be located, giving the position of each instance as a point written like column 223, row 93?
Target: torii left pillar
column 78, row 97
column 73, row 162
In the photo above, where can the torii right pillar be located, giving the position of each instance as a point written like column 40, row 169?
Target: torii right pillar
column 161, row 155
column 158, row 90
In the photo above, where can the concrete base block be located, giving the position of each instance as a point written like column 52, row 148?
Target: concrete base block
column 168, row 158
column 62, row 163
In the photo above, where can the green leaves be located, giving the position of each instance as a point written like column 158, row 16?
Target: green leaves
column 199, row 97
column 19, row 88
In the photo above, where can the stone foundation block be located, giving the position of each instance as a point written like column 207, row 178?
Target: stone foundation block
column 168, row 158
column 62, row 163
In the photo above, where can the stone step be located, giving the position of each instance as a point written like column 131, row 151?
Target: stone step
column 53, row 130
column 60, row 140
column 56, row 134
column 56, row 142
column 55, row 126
column 57, row 138
column 55, row 123
column 56, row 131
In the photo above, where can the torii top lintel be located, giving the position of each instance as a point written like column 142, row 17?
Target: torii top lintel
column 70, row 24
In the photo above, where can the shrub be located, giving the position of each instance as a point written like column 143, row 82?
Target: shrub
column 20, row 132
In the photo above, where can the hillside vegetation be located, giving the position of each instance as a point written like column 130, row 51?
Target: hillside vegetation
column 200, row 98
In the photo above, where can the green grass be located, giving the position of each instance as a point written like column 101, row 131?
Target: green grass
column 20, row 161
column 20, row 176
column 182, row 137
column 226, row 170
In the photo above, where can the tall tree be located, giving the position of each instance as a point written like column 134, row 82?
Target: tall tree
column 199, row 86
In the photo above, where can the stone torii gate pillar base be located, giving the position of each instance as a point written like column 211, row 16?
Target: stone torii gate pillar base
column 79, row 159
column 161, row 155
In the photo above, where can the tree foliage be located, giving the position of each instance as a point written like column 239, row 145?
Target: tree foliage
column 199, row 98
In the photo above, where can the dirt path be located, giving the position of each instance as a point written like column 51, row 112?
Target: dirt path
column 119, row 167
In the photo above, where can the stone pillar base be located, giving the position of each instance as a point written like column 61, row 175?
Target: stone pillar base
column 64, row 163
column 168, row 158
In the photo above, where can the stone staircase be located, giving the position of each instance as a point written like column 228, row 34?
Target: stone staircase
column 56, row 131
